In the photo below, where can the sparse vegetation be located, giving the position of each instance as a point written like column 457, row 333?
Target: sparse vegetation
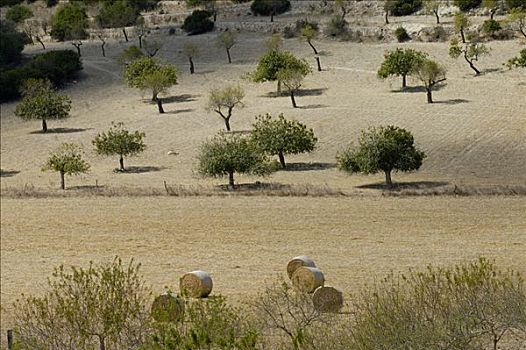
column 227, row 98
column 279, row 136
column 118, row 141
column 386, row 149
column 66, row 160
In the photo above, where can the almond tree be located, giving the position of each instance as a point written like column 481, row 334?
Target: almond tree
column 191, row 51
column 227, row 40
column 470, row 51
column 41, row 101
column 517, row 17
column 461, row 22
column 432, row 6
column 431, row 74
column 309, row 33
column 227, row 99
column 400, row 62
column 120, row 142
column 292, row 78
column 66, row 160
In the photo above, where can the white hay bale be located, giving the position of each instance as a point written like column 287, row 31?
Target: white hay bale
column 167, row 307
column 327, row 299
column 196, row 284
column 299, row 261
column 307, row 279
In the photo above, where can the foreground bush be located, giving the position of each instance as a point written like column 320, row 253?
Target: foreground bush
column 56, row 66
column 101, row 306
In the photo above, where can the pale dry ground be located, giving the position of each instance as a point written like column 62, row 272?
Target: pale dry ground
column 245, row 242
column 473, row 135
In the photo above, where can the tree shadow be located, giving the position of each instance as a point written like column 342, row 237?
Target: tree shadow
column 254, row 186
column 308, row 166
column 314, row 106
column 180, row 98
column 310, row 92
column 179, row 111
column 410, row 89
column 8, row 173
column 139, row 169
column 60, row 131
column 240, row 132
column 86, row 187
column 454, row 101
column 411, row 185
column 204, row 72
column 491, row 70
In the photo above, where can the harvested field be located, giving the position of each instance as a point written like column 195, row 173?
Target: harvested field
column 245, row 241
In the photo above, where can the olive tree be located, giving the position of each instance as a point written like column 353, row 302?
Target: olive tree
column 308, row 33
column 517, row 18
column 280, row 136
column 102, row 306
column 461, row 22
column 41, row 101
column 227, row 154
column 470, row 51
column 431, row 74
column 226, row 40
column 147, row 74
column 66, row 160
column 118, row 141
column 384, row 148
column 207, row 5
column 224, row 100
column 400, row 62
column 519, row 61
column 151, row 46
column 492, row 6
column 273, row 61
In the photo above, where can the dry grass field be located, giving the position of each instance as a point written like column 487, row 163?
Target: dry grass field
column 473, row 136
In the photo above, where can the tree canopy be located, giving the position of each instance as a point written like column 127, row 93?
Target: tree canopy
column 470, row 51
column 400, row 62
column 41, row 101
column 431, row 74
column 227, row 154
column 280, row 136
column 18, row 13
column 69, row 22
column 224, row 100
column 66, row 160
column 119, row 141
column 384, row 148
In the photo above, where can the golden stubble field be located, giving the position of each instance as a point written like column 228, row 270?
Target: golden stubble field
column 474, row 135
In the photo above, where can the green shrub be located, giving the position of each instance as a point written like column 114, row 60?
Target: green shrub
column 18, row 13
column 57, row 66
column 12, row 43
column 491, row 26
column 198, row 22
column 69, row 22
column 10, row 2
column 269, row 7
column 401, row 35
column 466, row 5
column 51, row 3
column 117, row 14
column 516, row 4
column 404, row 7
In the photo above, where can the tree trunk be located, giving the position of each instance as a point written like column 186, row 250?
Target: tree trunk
column 281, row 159
column 386, row 17
column 404, row 81
column 313, row 48
column 160, row 105
column 429, row 95
column 41, row 42
column 462, row 35
column 388, row 180
column 77, row 46
column 293, row 99
column 492, row 13
column 44, row 125
column 103, row 50
column 522, row 31
column 154, row 96
column 272, row 16
column 471, row 65
column 192, row 68
column 62, row 182
column 279, row 88
column 215, row 16
column 437, row 16
column 102, row 343
column 125, row 34
column 140, row 41
column 231, row 183
column 121, row 163
column 228, row 54
column 227, row 124
column 318, row 63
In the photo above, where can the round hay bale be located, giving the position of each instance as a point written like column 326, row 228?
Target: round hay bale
column 327, row 299
column 196, row 284
column 307, row 279
column 167, row 307
column 299, row 261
